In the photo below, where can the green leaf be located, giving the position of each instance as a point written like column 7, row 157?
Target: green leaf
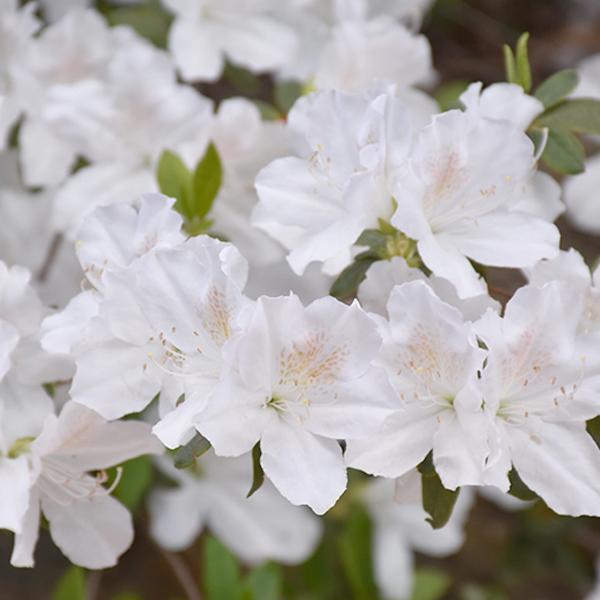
column 510, row 65
column 150, row 22
column 258, row 475
column 430, row 584
column 220, row 571
column 286, row 93
column 438, row 502
column 564, row 153
column 267, row 111
column 244, row 80
column 264, row 583
column 186, row 456
column 71, row 585
column 448, row 94
column 207, row 179
column 175, row 180
column 135, row 481
column 355, row 554
column 556, row 87
column 522, row 60
column 579, row 115
column 518, row 489
column 352, row 276
column 127, row 596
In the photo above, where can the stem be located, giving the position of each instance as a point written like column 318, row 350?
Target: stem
column 93, row 585
column 50, row 257
column 181, row 572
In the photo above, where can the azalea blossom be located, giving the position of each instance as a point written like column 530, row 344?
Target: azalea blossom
column 580, row 191
column 91, row 528
column 300, row 379
column 540, row 385
column 318, row 203
column 204, row 34
column 121, row 123
column 213, row 495
column 432, row 360
column 17, row 28
column 384, row 275
column 456, row 196
column 400, row 529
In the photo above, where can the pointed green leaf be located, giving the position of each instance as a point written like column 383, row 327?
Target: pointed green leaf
column 207, row 180
column 558, row 86
column 522, row 60
column 355, row 553
column 510, row 65
column 564, row 153
column 286, row 93
column 220, row 572
column 518, row 489
column 151, row 22
column 352, row 276
column 186, row 456
column 258, row 475
column 264, row 583
column 430, row 584
column 135, row 481
column 174, row 180
column 580, row 115
column 71, row 585
column 438, row 502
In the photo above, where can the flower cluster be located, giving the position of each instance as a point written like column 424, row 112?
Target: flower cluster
column 188, row 253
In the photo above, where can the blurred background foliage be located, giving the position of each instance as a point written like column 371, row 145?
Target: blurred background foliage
column 525, row 555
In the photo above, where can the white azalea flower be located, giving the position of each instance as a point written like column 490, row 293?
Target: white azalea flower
column 384, row 275
column 571, row 268
column 110, row 240
column 432, row 360
column 77, row 47
column 456, row 195
column 317, row 204
column 361, row 53
column 91, row 528
column 589, row 77
column 402, row 529
column 539, row 387
column 262, row 527
column 122, row 123
column 580, row 197
column 540, row 193
column 205, row 33
column 300, row 380
column 17, row 28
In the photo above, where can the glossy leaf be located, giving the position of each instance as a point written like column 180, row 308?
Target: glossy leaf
column 71, row 585
column 564, row 153
column 556, row 87
column 579, row 115
column 220, row 572
column 438, row 502
column 258, row 475
column 186, row 456
column 207, row 179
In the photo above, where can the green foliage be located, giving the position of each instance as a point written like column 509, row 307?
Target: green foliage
column 448, row 94
column 382, row 244
column 258, row 475
column 516, row 63
column 245, row 81
column 352, row 276
column 220, row 571
column 564, row 153
column 186, row 456
column 127, row 596
column 286, row 93
column 263, row 583
column 355, row 554
column 149, row 20
column 71, row 585
column 438, row 502
column 195, row 192
column 556, row 87
column 518, row 489
column 579, row 115
column 135, row 481
column 430, row 584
